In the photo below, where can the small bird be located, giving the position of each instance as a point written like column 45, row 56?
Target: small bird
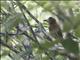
column 54, row 28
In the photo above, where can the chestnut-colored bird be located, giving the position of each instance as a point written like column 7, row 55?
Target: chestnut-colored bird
column 54, row 29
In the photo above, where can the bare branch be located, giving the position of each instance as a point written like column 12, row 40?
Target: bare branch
column 4, row 44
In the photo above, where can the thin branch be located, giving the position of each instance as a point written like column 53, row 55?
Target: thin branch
column 4, row 44
column 10, row 34
column 43, row 30
column 22, row 6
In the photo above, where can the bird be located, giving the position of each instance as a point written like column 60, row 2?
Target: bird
column 54, row 28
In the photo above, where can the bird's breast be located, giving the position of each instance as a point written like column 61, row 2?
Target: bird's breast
column 53, row 27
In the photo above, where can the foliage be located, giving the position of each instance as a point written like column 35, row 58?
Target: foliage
column 24, row 33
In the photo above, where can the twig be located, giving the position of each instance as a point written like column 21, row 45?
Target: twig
column 10, row 34
column 22, row 6
column 4, row 44
column 36, row 21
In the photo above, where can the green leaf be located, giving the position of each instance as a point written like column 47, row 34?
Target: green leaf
column 49, row 44
column 5, row 5
column 71, row 46
column 67, row 26
column 12, row 21
column 77, row 31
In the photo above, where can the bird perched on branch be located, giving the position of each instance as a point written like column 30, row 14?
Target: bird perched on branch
column 54, row 28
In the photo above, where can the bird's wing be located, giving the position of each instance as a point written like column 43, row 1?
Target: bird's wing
column 59, row 33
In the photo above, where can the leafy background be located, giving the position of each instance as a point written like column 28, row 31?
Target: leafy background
column 24, row 34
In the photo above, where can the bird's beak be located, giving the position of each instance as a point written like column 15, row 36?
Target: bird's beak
column 45, row 20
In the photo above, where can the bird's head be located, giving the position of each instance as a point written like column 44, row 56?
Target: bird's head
column 51, row 20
